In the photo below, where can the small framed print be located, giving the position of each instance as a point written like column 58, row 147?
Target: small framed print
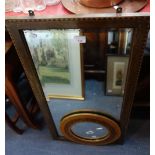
column 57, row 59
column 116, row 74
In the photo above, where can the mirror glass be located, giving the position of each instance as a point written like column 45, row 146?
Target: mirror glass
column 106, row 56
column 101, row 77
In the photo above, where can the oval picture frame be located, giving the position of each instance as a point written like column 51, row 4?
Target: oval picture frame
column 69, row 120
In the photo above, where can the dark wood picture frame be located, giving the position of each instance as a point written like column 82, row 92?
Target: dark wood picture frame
column 138, row 21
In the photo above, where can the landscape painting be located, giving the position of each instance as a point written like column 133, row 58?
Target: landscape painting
column 56, row 55
column 49, row 50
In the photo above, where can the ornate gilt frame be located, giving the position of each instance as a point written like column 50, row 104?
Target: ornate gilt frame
column 138, row 21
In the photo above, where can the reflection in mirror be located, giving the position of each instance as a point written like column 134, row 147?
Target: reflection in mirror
column 57, row 66
column 106, row 56
column 95, row 99
column 113, row 38
column 116, row 74
column 89, row 130
column 129, row 34
column 119, row 41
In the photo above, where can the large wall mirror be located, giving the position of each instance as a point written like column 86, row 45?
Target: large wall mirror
column 83, row 71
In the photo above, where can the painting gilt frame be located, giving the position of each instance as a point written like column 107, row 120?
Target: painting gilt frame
column 138, row 21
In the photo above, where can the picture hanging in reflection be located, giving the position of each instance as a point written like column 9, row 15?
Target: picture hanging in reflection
column 57, row 59
column 116, row 74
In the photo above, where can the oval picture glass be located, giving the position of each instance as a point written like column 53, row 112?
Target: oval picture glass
column 89, row 130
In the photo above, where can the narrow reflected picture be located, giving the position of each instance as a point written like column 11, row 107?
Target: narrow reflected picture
column 118, row 74
column 49, row 50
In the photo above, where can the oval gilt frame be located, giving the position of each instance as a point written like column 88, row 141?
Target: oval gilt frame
column 114, row 131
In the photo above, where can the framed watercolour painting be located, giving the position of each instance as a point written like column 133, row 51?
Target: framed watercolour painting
column 116, row 74
column 57, row 59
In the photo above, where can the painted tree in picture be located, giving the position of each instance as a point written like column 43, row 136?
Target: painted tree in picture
column 49, row 50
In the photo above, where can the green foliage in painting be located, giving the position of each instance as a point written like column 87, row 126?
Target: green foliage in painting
column 50, row 56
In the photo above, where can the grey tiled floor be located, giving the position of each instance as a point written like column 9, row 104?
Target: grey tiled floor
column 39, row 142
